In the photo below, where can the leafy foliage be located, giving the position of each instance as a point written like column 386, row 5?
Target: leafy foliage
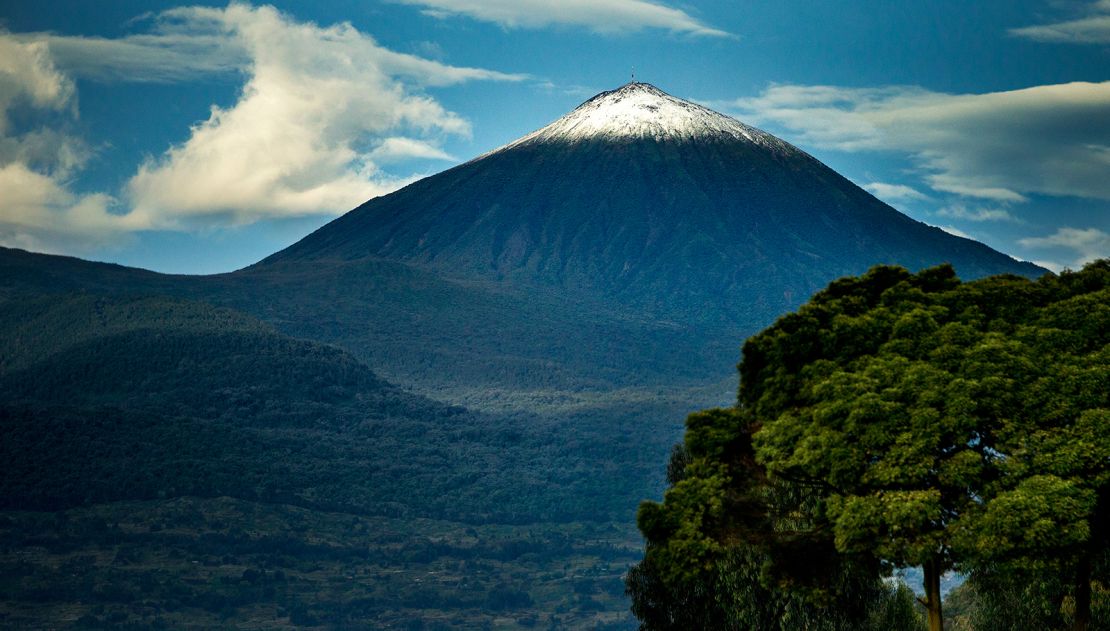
column 925, row 421
column 1001, row 598
column 731, row 549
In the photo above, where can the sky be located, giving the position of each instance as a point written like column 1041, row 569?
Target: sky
column 198, row 138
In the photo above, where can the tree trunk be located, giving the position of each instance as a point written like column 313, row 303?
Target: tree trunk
column 932, row 594
column 1083, row 595
column 1099, row 536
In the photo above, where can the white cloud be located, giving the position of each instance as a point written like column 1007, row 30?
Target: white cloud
column 1092, row 28
column 1087, row 243
column 188, row 43
column 1000, row 146
column 145, row 58
column 294, row 142
column 960, row 211
column 322, row 108
column 954, row 231
column 893, row 193
column 400, row 149
column 45, row 150
column 38, row 212
column 969, row 186
column 1050, row 265
column 28, row 76
column 603, row 16
column 37, row 209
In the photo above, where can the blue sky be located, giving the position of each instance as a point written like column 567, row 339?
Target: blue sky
column 198, row 138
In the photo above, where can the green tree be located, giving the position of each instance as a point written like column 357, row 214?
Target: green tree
column 1000, row 597
column 731, row 549
column 862, row 394
column 1046, row 512
column 922, row 421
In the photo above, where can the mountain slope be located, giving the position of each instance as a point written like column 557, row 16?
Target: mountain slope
column 470, row 342
column 624, row 251
column 654, row 203
column 165, row 459
column 121, row 387
column 185, row 440
column 133, row 398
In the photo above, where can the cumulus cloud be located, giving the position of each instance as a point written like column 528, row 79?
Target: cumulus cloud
column 291, row 144
column 40, row 213
column 45, row 150
column 1087, row 244
column 28, row 76
column 1091, row 28
column 37, row 209
column 322, row 109
column 603, row 16
column 999, row 146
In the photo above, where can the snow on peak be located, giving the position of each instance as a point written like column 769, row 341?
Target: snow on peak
column 643, row 111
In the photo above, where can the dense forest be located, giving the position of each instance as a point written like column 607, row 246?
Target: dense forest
column 472, row 343
column 899, row 420
column 173, row 459
column 167, row 462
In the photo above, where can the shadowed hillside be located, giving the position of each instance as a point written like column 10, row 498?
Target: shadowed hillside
column 440, row 409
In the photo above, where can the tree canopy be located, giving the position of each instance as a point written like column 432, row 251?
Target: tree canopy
column 911, row 419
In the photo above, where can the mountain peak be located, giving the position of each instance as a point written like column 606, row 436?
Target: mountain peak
column 644, row 200
column 639, row 110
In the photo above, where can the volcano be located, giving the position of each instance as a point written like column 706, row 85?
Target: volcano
column 456, row 394
column 632, row 244
column 652, row 203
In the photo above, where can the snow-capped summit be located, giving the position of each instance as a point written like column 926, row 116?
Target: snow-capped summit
column 659, row 205
column 642, row 111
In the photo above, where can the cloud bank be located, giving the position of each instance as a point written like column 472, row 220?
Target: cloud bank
column 37, row 210
column 296, row 141
column 602, row 16
column 320, row 111
column 998, row 146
